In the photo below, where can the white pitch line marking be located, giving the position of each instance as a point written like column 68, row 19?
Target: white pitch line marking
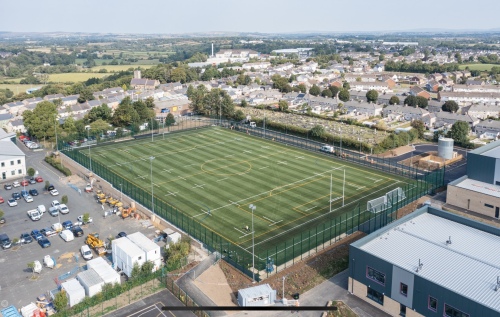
column 167, row 171
column 172, row 194
column 182, row 178
column 299, row 157
column 198, row 186
column 229, row 155
column 265, row 147
column 238, row 230
column 378, row 180
column 267, row 218
column 282, row 162
column 311, row 208
column 234, row 203
column 247, row 151
column 275, row 223
column 141, row 176
column 220, row 180
column 263, row 167
column 190, row 165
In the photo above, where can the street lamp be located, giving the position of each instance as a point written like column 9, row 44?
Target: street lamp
column 121, row 193
column 151, row 158
column 253, row 207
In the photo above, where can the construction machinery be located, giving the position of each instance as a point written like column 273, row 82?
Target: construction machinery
column 112, row 201
column 95, row 243
column 125, row 212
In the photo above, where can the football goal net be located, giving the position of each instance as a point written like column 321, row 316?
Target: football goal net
column 382, row 203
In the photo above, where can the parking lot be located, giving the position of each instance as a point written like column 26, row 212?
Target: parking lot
column 18, row 285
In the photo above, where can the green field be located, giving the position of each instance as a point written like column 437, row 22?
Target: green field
column 480, row 67
column 74, row 77
column 213, row 175
column 17, row 88
column 117, row 68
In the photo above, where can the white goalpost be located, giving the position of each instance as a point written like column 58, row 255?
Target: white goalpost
column 384, row 202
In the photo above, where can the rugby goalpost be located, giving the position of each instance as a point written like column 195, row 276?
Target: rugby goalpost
column 384, row 202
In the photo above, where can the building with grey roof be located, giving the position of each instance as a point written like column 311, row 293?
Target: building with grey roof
column 12, row 160
column 429, row 263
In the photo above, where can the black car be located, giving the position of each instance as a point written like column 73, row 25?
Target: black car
column 121, row 235
column 5, row 241
column 26, row 238
column 51, row 187
column 68, row 225
column 77, row 231
column 44, row 242
column 16, row 196
column 33, row 192
column 32, row 180
column 7, row 186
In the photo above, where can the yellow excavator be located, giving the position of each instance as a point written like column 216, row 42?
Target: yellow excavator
column 95, row 243
column 125, row 212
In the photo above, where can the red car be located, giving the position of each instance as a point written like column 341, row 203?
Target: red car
column 25, row 182
column 39, row 179
column 1, row 200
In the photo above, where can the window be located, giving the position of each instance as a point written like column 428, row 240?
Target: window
column 488, row 205
column 11, row 162
column 375, row 275
column 19, row 171
column 12, row 173
column 402, row 310
column 453, row 312
column 3, row 164
column 18, row 161
column 433, row 303
column 403, row 289
column 376, row 296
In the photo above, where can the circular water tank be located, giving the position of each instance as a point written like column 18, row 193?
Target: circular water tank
column 445, row 148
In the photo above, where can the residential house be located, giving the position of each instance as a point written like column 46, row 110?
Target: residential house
column 443, row 118
column 14, row 107
column 34, row 100
column 112, row 90
column 4, row 119
column 469, row 97
column 351, row 78
column 419, row 92
column 12, row 160
column 70, row 100
column 476, row 88
column 257, row 65
column 482, row 111
column 363, row 108
column 53, row 97
column 144, row 83
column 366, row 86
column 171, row 86
column 394, row 112
column 448, row 82
column 488, row 129
column 436, row 76
column 432, row 86
column 236, row 53
column 475, row 82
column 417, row 80
column 16, row 126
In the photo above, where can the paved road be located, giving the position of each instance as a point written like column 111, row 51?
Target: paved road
column 16, row 286
column 151, row 307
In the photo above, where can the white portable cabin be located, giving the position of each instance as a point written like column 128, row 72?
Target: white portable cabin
column 262, row 295
column 151, row 249
column 28, row 310
column 91, row 282
column 104, row 270
column 126, row 254
column 74, row 291
column 173, row 238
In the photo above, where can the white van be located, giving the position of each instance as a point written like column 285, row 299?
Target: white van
column 67, row 235
column 326, row 148
column 86, row 252
column 253, row 124
column 41, row 209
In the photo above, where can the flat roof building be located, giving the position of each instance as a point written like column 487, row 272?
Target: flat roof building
column 429, row 263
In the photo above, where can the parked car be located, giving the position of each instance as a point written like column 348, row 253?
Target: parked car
column 77, row 231
column 5, row 241
column 33, row 192
column 121, row 235
column 1, row 200
column 16, row 184
column 86, row 252
column 7, row 186
column 24, row 193
column 24, row 182
column 36, row 234
column 55, row 203
column 54, row 192
column 12, row 202
column 48, row 232
column 28, row 198
column 16, row 196
column 50, row 187
column 32, row 180
column 80, row 219
column 67, row 224
column 25, row 238
column 2, row 220
column 44, row 242
column 39, row 179
column 54, row 211
column 67, row 235
column 63, row 209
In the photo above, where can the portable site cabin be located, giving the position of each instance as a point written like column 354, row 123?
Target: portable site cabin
column 74, row 291
column 173, row 238
column 10, row 311
column 151, row 249
column 126, row 254
column 29, row 310
column 262, row 295
column 91, row 282
column 104, row 270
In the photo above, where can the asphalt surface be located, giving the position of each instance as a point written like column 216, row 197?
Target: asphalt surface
column 152, row 307
column 18, row 285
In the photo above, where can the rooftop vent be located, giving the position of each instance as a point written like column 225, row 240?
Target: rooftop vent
column 497, row 287
column 448, row 242
column 420, row 264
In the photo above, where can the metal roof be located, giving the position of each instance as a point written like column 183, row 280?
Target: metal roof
column 485, row 148
column 255, row 291
column 468, row 266
column 480, row 187
column 9, row 150
column 143, row 242
column 89, row 278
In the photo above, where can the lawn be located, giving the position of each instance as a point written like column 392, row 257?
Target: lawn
column 213, row 175
column 480, row 67
column 18, row 88
column 117, row 68
column 74, row 77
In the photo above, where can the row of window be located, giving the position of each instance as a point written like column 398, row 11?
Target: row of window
column 13, row 172
column 432, row 302
column 11, row 163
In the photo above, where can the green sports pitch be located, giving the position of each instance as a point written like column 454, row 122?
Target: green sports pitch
column 213, row 175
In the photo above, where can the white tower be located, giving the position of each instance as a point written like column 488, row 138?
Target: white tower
column 212, row 49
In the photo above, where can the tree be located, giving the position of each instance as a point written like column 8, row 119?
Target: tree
column 315, row 90
column 125, row 114
column 244, row 103
column 61, row 301
column 69, row 126
column 450, row 106
column 169, row 120
column 302, row 88
column 178, row 75
column 394, row 100
column 422, row 102
column 327, row 93
column 85, row 95
column 145, row 113
column 411, row 101
column 318, row 131
column 335, row 90
column 460, row 132
column 31, row 172
column 372, row 96
column 281, row 83
column 100, row 112
column 99, row 125
column 346, row 85
column 40, row 122
column 283, row 105
column 64, row 199
column 344, row 95
column 239, row 115
column 419, row 126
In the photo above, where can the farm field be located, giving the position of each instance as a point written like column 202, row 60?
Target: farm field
column 117, row 68
column 213, row 175
column 480, row 67
column 18, row 88
column 74, row 77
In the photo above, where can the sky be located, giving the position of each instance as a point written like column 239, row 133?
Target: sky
column 265, row 16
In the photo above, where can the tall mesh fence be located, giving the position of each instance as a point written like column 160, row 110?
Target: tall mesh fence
column 285, row 253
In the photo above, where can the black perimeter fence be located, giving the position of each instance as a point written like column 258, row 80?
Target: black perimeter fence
column 312, row 239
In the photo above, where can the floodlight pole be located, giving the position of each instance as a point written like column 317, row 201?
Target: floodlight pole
column 121, row 192
column 90, row 157
column 151, row 158
column 283, row 294
column 151, row 129
column 343, row 190
column 330, row 193
column 253, row 207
